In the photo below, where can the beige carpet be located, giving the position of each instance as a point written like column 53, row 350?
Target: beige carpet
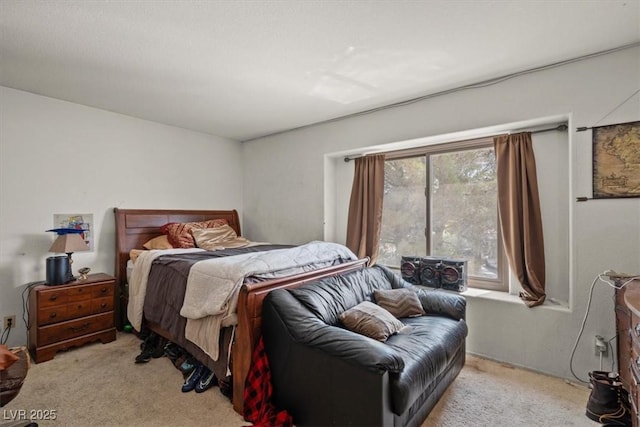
column 99, row 385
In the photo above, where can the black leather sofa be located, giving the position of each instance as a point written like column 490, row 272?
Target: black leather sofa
column 324, row 374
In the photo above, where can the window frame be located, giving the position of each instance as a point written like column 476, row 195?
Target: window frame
column 501, row 283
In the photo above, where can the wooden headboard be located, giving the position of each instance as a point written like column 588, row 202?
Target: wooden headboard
column 134, row 227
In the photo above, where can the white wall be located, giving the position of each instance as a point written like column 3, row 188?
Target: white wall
column 285, row 197
column 60, row 157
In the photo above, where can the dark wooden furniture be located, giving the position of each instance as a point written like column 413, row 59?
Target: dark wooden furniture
column 65, row 316
column 134, row 227
column 627, row 307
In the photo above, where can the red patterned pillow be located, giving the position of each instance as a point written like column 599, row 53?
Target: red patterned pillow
column 179, row 233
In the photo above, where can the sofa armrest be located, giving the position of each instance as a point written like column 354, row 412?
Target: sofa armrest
column 443, row 304
column 433, row 302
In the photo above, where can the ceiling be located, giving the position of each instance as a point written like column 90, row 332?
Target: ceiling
column 244, row 69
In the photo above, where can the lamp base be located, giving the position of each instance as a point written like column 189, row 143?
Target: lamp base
column 58, row 270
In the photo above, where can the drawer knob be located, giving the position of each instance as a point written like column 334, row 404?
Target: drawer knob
column 103, row 290
column 53, row 315
column 103, row 305
column 53, row 297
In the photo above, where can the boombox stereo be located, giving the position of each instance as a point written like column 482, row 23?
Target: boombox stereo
column 449, row 274
column 410, row 269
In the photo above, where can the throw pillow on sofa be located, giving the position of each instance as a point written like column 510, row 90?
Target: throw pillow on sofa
column 403, row 302
column 372, row 321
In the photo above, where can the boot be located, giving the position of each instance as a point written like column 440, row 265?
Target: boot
column 608, row 401
column 614, row 379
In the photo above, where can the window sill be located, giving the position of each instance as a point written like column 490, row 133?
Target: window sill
column 473, row 293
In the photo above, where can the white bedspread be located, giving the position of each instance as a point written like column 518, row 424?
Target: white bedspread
column 138, row 282
column 211, row 296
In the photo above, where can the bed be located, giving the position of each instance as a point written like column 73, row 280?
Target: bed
column 134, row 227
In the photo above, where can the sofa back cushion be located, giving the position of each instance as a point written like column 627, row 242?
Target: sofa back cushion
column 329, row 297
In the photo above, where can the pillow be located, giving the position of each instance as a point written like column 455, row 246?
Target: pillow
column 179, row 233
column 7, row 358
column 134, row 254
column 372, row 321
column 403, row 302
column 160, row 242
column 213, row 239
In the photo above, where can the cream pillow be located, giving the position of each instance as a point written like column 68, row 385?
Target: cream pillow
column 213, row 239
column 160, row 242
column 179, row 233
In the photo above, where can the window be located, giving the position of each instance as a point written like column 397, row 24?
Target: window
column 441, row 201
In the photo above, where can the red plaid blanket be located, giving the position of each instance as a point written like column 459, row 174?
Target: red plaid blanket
column 258, row 390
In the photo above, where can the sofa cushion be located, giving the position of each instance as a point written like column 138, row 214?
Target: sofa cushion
column 371, row 320
column 426, row 352
column 403, row 302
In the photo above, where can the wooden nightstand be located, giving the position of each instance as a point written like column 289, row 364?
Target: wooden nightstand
column 70, row 315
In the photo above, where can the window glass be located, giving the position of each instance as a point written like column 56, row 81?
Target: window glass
column 404, row 210
column 463, row 200
column 441, row 201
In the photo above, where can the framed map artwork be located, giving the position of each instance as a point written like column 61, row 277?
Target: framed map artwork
column 616, row 161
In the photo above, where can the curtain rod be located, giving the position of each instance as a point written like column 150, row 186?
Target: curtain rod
column 561, row 128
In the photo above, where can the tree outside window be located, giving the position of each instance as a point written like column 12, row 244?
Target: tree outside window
column 442, row 202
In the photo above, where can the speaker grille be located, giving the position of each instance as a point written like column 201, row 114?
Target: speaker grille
column 454, row 275
column 410, row 269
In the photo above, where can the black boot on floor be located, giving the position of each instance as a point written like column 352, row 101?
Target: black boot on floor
column 152, row 347
column 608, row 402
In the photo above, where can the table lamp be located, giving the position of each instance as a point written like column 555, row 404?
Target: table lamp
column 68, row 241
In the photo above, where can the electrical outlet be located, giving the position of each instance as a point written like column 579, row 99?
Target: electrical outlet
column 600, row 346
column 9, row 322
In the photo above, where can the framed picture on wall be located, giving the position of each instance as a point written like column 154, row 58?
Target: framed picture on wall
column 616, row 161
column 82, row 222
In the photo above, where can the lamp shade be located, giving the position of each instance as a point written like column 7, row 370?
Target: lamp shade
column 69, row 243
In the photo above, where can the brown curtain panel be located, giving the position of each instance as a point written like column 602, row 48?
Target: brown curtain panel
column 365, row 207
column 519, row 212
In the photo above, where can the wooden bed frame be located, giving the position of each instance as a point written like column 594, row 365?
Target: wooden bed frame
column 134, row 227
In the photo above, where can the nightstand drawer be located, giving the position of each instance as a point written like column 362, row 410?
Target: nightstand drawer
column 53, row 297
column 104, row 290
column 74, row 310
column 74, row 328
column 79, row 309
column 99, row 305
column 47, row 316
